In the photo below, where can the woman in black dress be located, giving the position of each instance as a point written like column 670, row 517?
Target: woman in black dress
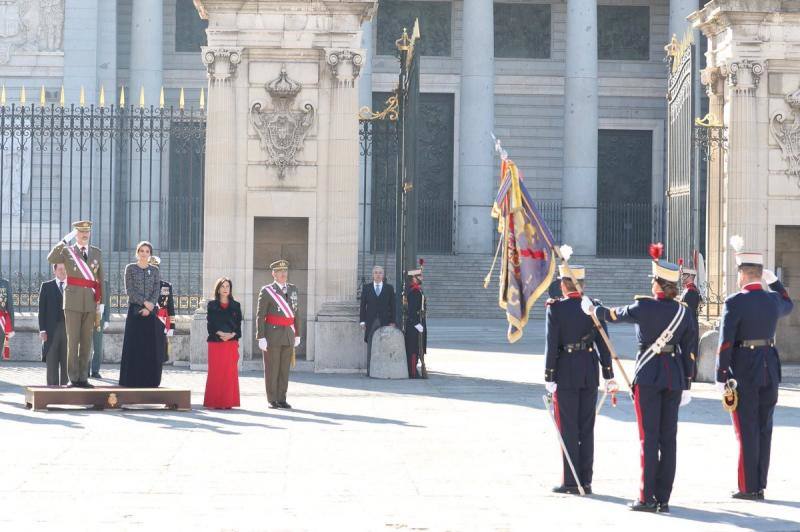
column 143, row 346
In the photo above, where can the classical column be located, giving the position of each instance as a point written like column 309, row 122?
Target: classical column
column 746, row 205
column 340, row 216
column 579, row 206
column 222, row 209
column 678, row 11
column 477, row 173
column 365, row 165
column 147, row 49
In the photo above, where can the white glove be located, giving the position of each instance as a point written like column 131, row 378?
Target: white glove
column 587, row 306
column 10, row 335
column 686, row 397
column 550, row 387
column 363, row 325
column 70, row 236
column 769, row 276
column 612, row 386
column 171, row 332
column 418, row 327
column 101, row 308
column 721, row 387
column 296, row 341
column 262, row 344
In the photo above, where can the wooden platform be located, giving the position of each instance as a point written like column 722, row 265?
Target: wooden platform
column 100, row 398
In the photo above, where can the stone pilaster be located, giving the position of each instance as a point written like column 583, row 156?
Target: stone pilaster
column 746, row 205
column 147, row 50
column 222, row 201
column 579, row 210
column 476, row 167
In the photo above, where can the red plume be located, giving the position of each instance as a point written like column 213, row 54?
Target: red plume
column 421, row 262
column 680, row 261
column 656, row 250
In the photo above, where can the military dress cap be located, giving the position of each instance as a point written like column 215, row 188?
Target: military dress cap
column 418, row 271
column 663, row 269
column 154, row 260
column 685, row 270
column 279, row 265
column 82, row 225
column 743, row 257
column 578, row 272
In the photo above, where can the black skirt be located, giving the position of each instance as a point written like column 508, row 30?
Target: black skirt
column 142, row 350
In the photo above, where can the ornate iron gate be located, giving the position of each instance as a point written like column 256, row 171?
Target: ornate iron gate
column 682, row 228
column 136, row 172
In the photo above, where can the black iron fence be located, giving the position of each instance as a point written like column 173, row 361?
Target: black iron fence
column 136, row 172
column 626, row 229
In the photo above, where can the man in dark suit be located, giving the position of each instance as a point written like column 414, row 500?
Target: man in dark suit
column 51, row 327
column 377, row 307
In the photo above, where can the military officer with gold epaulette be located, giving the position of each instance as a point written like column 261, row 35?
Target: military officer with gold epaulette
column 278, row 331
column 573, row 354
column 82, row 298
column 664, row 365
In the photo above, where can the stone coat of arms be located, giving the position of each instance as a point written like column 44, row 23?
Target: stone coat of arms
column 283, row 129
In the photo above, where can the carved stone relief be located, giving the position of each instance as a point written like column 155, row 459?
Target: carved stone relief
column 30, row 26
column 283, row 129
column 786, row 131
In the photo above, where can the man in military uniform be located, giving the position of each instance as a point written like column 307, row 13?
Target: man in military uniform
column 747, row 353
column 82, row 297
column 278, row 331
column 571, row 376
column 416, row 327
column 166, row 308
column 6, row 315
column 692, row 298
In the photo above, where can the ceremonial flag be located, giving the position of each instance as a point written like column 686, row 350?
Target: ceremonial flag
column 528, row 261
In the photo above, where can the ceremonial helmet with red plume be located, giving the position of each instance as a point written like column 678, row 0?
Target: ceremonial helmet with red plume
column 663, row 269
column 418, row 271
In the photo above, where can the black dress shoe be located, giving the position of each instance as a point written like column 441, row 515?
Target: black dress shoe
column 284, row 404
column 74, row 385
column 587, row 489
column 96, row 375
column 85, row 384
column 274, row 404
column 569, row 490
column 748, row 495
column 662, row 508
column 639, row 506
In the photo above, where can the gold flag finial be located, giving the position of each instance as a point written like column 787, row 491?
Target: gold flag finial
column 61, row 97
column 202, row 98
column 141, row 96
column 161, row 98
column 102, row 96
column 122, row 96
column 3, row 95
column 82, row 100
column 22, row 95
column 42, row 99
column 180, row 100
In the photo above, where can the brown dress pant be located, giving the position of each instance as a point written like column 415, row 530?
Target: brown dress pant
column 276, row 372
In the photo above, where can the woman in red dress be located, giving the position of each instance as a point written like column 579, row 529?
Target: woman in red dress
column 224, row 330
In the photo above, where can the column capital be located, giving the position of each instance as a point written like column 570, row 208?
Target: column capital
column 345, row 64
column 221, row 61
column 744, row 74
column 714, row 80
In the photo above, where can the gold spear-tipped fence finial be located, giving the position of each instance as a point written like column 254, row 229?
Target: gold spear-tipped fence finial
column 102, row 96
column 141, row 96
column 61, row 97
column 122, row 96
column 161, row 98
column 42, row 98
column 82, row 98
column 202, row 98
column 181, row 100
column 22, row 97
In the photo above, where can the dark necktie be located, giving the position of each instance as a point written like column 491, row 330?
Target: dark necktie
column 85, row 255
column 61, row 286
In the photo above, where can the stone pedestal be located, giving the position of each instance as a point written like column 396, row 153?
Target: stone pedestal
column 707, row 357
column 198, row 336
column 388, row 354
column 340, row 346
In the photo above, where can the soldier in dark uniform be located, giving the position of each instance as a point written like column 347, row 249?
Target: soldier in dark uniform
column 166, row 307
column 416, row 328
column 692, row 298
column 572, row 376
column 664, row 366
column 6, row 315
column 747, row 353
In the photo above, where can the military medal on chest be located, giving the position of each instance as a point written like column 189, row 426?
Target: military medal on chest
column 293, row 300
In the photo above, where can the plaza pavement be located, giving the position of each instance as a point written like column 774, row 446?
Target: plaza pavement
column 472, row 448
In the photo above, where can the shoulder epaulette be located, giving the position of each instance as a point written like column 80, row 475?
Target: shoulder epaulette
column 683, row 303
column 642, row 298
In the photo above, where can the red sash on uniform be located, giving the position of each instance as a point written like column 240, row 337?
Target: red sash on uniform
column 163, row 317
column 285, row 308
column 280, row 321
column 5, row 324
column 88, row 280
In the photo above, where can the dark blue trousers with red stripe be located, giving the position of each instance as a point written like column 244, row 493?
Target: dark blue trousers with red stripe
column 752, row 421
column 574, row 412
column 657, row 416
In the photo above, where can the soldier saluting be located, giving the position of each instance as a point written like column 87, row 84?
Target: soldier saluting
column 572, row 376
column 82, row 297
column 278, row 332
column 747, row 353
column 416, row 326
